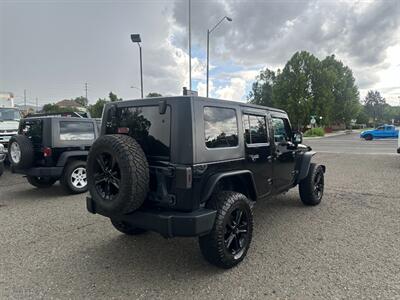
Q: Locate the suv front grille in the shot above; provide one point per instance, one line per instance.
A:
(12, 131)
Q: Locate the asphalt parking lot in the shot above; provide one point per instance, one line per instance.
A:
(347, 247)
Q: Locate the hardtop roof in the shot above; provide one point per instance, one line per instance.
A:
(155, 100)
(58, 118)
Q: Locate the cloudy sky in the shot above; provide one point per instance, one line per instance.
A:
(51, 48)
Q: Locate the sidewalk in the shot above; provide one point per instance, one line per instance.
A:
(336, 133)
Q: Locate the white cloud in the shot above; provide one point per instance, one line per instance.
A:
(202, 88)
(234, 91)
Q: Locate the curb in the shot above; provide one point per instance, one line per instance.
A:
(331, 135)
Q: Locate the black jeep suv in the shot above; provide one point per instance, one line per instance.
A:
(50, 148)
(192, 166)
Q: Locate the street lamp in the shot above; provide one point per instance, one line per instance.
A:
(136, 39)
(208, 45)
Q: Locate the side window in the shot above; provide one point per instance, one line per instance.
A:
(255, 129)
(282, 130)
(76, 131)
(220, 127)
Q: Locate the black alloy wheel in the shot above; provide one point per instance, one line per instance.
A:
(311, 188)
(107, 176)
(236, 234)
(319, 185)
(230, 238)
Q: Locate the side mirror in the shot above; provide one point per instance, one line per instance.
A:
(297, 138)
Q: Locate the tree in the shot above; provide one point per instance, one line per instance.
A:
(346, 104)
(96, 109)
(262, 89)
(153, 94)
(375, 105)
(113, 97)
(391, 113)
(82, 101)
(309, 87)
(53, 108)
(294, 88)
(362, 117)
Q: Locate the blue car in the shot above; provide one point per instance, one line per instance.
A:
(381, 132)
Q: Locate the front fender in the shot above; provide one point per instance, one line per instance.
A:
(303, 165)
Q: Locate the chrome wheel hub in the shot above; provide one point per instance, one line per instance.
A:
(15, 153)
(79, 178)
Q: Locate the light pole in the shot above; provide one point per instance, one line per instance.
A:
(208, 45)
(190, 47)
(136, 39)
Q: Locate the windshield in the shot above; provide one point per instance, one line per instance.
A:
(8, 114)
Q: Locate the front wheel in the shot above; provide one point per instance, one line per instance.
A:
(229, 240)
(311, 188)
(368, 137)
(41, 182)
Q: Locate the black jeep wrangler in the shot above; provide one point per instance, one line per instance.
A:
(192, 166)
(50, 148)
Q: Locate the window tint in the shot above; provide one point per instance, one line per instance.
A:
(220, 125)
(282, 131)
(76, 131)
(255, 129)
(150, 129)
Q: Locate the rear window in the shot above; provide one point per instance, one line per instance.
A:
(151, 129)
(33, 130)
(220, 127)
(76, 131)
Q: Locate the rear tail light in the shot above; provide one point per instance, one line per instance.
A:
(183, 177)
(123, 130)
(47, 152)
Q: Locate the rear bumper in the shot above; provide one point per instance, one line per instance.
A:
(167, 223)
(41, 171)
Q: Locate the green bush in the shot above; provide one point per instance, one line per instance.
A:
(318, 131)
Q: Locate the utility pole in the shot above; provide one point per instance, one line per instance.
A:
(190, 48)
(86, 91)
(24, 99)
(37, 104)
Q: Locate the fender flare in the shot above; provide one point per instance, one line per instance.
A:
(304, 165)
(214, 179)
(68, 154)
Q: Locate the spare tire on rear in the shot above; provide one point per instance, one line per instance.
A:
(20, 152)
(118, 174)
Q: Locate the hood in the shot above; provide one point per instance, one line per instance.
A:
(9, 125)
(366, 131)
